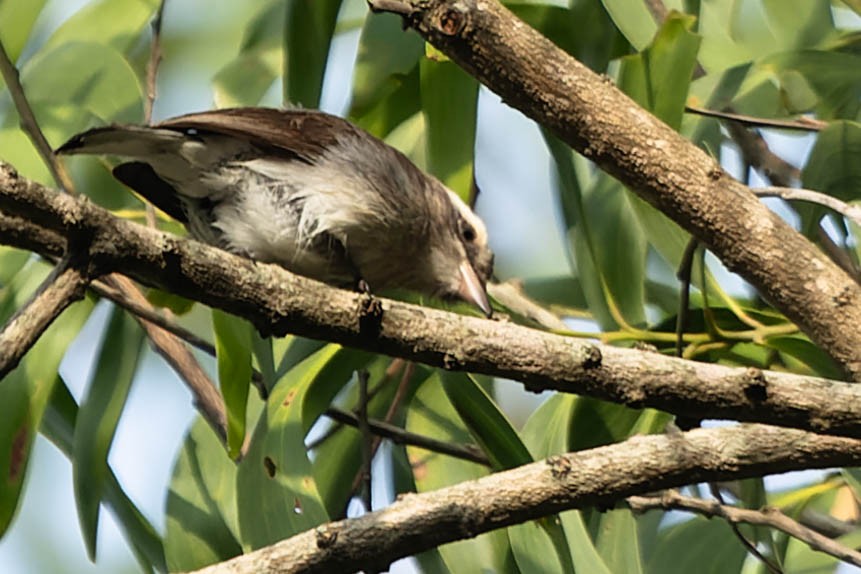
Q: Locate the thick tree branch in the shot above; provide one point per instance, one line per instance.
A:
(770, 517)
(597, 477)
(66, 284)
(279, 302)
(589, 113)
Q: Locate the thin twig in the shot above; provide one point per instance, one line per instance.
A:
(153, 63)
(757, 154)
(398, 435)
(805, 124)
(367, 438)
(29, 123)
(151, 315)
(151, 77)
(852, 212)
(751, 546)
(684, 277)
(66, 284)
(770, 517)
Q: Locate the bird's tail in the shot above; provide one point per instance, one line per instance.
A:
(127, 141)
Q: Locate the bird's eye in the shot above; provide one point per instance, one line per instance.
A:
(468, 234)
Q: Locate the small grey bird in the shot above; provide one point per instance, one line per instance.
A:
(307, 190)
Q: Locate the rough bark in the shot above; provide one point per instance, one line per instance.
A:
(594, 117)
(598, 477)
(279, 302)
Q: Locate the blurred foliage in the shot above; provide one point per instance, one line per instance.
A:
(764, 58)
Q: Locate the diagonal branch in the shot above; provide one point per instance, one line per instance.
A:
(770, 517)
(279, 302)
(66, 284)
(684, 182)
(597, 477)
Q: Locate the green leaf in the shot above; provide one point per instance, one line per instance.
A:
(583, 29)
(432, 414)
(633, 20)
(691, 546)
(201, 503)
(233, 349)
(658, 77)
(94, 76)
(546, 433)
(114, 23)
(99, 414)
(277, 494)
(833, 167)
(386, 56)
(834, 76)
(798, 23)
(485, 421)
(307, 37)
(25, 392)
(16, 23)
(606, 240)
(12, 260)
(58, 426)
(802, 355)
(618, 541)
(449, 99)
(246, 79)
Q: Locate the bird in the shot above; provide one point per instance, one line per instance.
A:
(307, 190)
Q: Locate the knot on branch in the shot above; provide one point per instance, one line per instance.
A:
(451, 20)
(755, 386)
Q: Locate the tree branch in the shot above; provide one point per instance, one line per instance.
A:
(657, 163)
(66, 284)
(596, 477)
(279, 302)
(770, 517)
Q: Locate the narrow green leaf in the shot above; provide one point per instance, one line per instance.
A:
(12, 260)
(277, 494)
(98, 416)
(201, 503)
(833, 167)
(485, 421)
(233, 349)
(246, 79)
(548, 432)
(618, 542)
(58, 426)
(607, 241)
(798, 23)
(449, 99)
(658, 77)
(115, 23)
(807, 356)
(25, 392)
(633, 19)
(432, 414)
(96, 77)
(307, 36)
(387, 54)
(16, 23)
(693, 545)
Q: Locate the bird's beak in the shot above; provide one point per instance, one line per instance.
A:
(471, 289)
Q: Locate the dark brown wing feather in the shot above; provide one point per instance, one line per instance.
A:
(142, 178)
(302, 133)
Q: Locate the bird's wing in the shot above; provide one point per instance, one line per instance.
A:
(304, 134)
